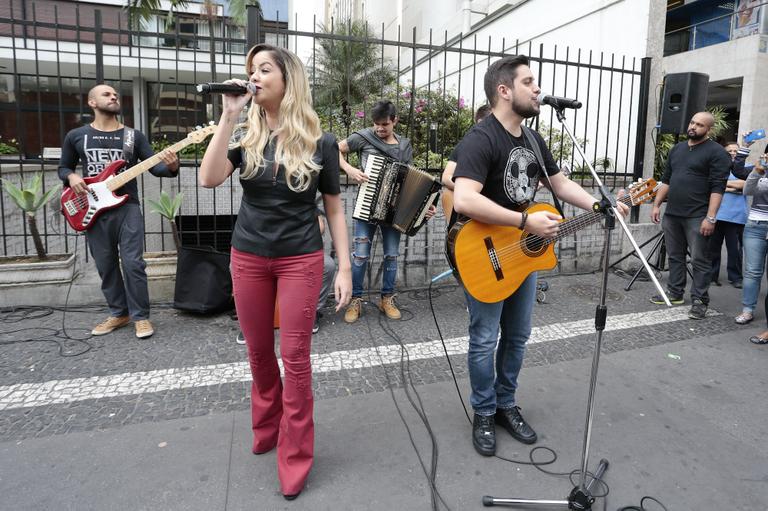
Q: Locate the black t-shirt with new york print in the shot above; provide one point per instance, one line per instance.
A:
(95, 150)
(504, 164)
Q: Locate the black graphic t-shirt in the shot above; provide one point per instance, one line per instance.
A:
(96, 150)
(504, 164)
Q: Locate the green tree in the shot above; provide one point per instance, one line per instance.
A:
(29, 200)
(348, 72)
(142, 10)
(238, 10)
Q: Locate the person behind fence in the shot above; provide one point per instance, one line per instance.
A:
(116, 238)
(496, 176)
(731, 217)
(693, 182)
(284, 159)
(382, 140)
(755, 245)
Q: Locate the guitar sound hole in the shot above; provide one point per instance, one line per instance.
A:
(533, 245)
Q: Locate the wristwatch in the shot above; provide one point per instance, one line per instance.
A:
(711, 220)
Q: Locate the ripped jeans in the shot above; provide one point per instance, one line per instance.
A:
(364, 232)
(281, 411)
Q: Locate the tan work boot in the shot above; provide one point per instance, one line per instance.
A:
(144, 329)
(353, 310)
(110, 324)
(388, 307)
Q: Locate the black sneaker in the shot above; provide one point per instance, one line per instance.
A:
(484, 435)
(316, 324)
(698, 309)
(511, 420)
(240, 339)
(674, 300)
(737, 284)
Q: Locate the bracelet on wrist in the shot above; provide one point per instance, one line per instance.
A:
(523, 220)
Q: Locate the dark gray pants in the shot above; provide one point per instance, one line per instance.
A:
(681, 235)
(329, 270)
(118, 236)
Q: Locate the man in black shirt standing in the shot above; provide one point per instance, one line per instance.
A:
(117, 236)
(496, 176)
(693, 182)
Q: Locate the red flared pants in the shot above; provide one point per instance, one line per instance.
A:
(281, 410)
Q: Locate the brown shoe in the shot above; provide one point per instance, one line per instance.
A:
(388, 307)
(353, 310)
(144, 329)
(110, 324)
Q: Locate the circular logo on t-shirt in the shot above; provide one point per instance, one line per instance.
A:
(521, 175)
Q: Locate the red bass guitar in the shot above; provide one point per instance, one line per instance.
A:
(81, 211)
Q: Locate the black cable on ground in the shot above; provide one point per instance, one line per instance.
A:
(52, 335)
(431, 474)
(532, 462)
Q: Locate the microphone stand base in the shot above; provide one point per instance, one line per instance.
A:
(580, 499)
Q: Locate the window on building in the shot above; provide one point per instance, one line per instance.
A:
(38, 111)
(174, 110)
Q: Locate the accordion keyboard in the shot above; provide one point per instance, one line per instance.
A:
(366, 195)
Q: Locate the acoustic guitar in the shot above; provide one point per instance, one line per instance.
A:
(492, 261)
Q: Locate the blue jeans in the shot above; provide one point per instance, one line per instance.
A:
(364, 232)
(494, 386)
(755, 249)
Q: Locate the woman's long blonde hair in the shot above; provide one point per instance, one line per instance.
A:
(298, 130)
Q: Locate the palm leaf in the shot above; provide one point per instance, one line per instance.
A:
(47, 196)
(142, 10)
(15, 193)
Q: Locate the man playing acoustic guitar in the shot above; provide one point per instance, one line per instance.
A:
(117, 236)
(496, 176)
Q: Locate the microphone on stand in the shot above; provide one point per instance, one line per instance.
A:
(558, 103)
(226, 88)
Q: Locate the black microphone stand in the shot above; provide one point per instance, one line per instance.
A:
(581, 497)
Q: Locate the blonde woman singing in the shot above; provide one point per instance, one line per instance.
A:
(277, 250)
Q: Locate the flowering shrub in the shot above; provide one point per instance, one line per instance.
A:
(191, 151)
(434, 120)
(9, 146)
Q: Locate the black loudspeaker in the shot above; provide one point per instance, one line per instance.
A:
(684, 95)
(203, 281)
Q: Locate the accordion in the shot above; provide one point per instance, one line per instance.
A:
(395, 194)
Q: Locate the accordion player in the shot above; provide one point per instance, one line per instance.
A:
(395, 194)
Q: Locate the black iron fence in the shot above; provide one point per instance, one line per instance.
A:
(53, 52)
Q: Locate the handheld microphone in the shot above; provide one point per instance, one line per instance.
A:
(226, 88)
(558, 103)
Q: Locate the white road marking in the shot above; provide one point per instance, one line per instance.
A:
(25, 395)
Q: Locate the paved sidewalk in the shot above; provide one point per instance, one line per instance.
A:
(679, 412)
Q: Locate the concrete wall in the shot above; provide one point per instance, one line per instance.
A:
(745, 57)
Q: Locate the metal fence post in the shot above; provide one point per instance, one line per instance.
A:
(640, 128)
(253, 30)
(99, 42)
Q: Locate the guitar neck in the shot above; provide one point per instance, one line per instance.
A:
(577, 223)
(124, 177)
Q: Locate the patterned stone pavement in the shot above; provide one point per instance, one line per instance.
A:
(192, 366)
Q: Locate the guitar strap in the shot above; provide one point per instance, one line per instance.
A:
(129, 138)
(540, 158)
(384, 148)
